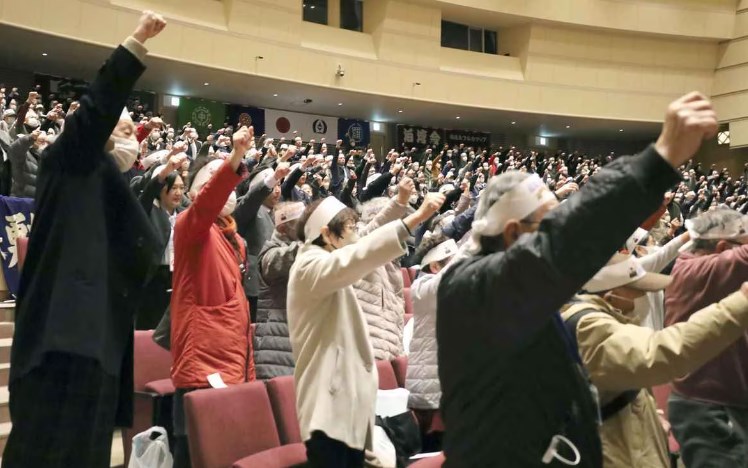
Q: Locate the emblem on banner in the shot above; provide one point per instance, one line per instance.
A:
(245, 119)
(355, 132)
(201, 116)
(319, 126)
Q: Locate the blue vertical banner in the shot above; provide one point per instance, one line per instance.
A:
(354, 132)
(245, 115)
(16, 216)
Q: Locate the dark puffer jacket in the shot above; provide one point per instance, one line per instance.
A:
(24, 166)
(273, 355)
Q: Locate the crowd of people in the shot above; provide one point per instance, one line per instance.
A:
(554, 289)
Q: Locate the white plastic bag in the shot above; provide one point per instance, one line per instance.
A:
(150, 452)
(383, 448)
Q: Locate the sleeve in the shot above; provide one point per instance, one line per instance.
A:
(276, 262)
(391, 212)
(461, 224)
(141, 133)
(89, 127)
(376, 188)
(248, 206)
(462, 204)
(656, 262)
(326, 273)
(18, 128)
(425, 286)
(620, 357)
(19, 148)
(289, 183)
(195, 222)
(451, 197)
(150, 193)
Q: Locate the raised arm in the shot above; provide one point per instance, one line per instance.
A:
(396, 208)
(89, 127)
(657, 261)
(622, 357)
(248, 205)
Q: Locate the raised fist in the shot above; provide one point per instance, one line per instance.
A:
(404, 189)
(33, 96)
(281, 171)
(688, 121)
(242, 139)
(151, 24)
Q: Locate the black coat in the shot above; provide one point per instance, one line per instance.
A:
(91, 245)
(510, 377)
(158, 216)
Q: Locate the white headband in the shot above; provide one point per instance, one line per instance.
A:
(203, 175)
(125, 115)
(636, 238)
(615, 275)
(734, 229)
(442, 251)
(288, 212)
(518, 203)
(322, 215)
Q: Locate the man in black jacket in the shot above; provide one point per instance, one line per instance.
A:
(514, 393)
(90, 249)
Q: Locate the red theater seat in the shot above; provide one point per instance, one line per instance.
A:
(282, 392)
(406, 277)
(431, 462)
(152, 364)
(228, 425)
(408, 301)
(387, 378)
(400, 366)
(22, 244)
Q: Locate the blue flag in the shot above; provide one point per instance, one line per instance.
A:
(17, 217)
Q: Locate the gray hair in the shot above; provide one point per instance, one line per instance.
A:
(373, 207)
(712, 221)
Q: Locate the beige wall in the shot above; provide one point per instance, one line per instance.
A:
(555, 68)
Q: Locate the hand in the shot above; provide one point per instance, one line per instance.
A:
(465, 185)
(178, 147)
(339, 143)
(33, 97)
(567, 190)
(35, 134)
(404, 189)
(155, 122)
(321, 140)
(688, 121)
(311, 142)
(242, 140)
(430, 205)
(281, 171)
(290, 151)
(396, 168)
(151, 24)
(175, 162)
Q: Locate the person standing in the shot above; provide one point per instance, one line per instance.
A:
(90, 249)
(210, 325)
(336, 377)
(513, 391)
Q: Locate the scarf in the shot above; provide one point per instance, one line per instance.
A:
(227, 224)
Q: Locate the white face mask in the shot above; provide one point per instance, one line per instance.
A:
(228, 208)
(413, 199)
(125, 152)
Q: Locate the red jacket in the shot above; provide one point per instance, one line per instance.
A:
(210, 327)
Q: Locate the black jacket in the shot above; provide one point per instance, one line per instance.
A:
(510, 378)
(158, 216)
(91, 245)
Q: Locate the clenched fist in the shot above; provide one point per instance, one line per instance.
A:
(151, 24)
(404, 189)
(242, 140)
(688, 121)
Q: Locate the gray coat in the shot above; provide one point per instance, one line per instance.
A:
(24, 166)
(272, 346)
(255, 224)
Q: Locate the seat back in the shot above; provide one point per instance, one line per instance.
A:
(661, 395)
(408, 301)
(151, 361)
(400, 366)
(282, 392)
(406, 277)
(225, 425)
(387, 378)
(22, 244)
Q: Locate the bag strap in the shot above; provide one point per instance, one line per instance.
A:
(621, 401)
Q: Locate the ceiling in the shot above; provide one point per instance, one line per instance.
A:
(22, 49)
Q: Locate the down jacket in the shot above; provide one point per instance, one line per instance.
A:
(422, 380)
(273, 355)
(380, 294)
(24, 166)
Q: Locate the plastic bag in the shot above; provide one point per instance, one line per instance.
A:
(150, 449)
(383, 448)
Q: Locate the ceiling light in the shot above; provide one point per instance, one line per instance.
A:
(399, 111)
(458, 117)
(620, 130)
(44, 54)
(568, 126)
(514, 123)
(275, 95)
(340, 103)
(312, 7)
(206, 84)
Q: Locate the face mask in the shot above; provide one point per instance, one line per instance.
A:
(641, 309)
(125, 152)
(228, 208)
(413, 199)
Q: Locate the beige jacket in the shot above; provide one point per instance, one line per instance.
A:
(336, 378)
(380, 294)
(621, 355)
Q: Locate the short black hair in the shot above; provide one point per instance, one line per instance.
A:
(336, 224)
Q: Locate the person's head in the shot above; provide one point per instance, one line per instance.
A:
(41, 142)
(718, 230)
(274, 196)
(329, 224)
(172, 192)
(372, 208)
(122, 143)
(307, 189)
(512, 204)
(435, 252)
(201, 177)
(623, 283)
(287, 216)
(9, 116)
(32, 121)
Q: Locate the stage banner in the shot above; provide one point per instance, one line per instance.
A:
(470, 139)
(280, 123)
(410, 136)
(244, 115)
(200, 113)
(353, 132)
(17, 217)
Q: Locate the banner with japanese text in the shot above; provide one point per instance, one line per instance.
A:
(202, 114)
(353, 132)
(17, 217)
(410, 136)
(470, 139)
(245, 116)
